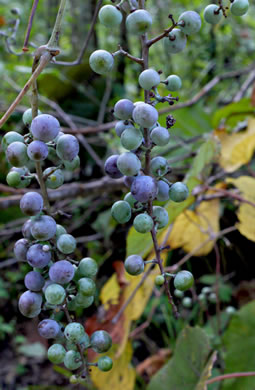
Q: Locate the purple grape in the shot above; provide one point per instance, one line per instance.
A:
(123, 109)
(144, 188)
(48, 329)
(61, 272)
(111, 168)
(163, 191)
(67, 147)
(26, 230)
(34, 281)
(37, 257)
(37, 151)
(45, 127)
(30, 304)
(43, 228)
(128, 180)
(20, 249)
(31, 203)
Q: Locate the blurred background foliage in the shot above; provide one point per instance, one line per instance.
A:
(211, 148)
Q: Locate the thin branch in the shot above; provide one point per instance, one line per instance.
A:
(30, 23)
(54, 39)
(229, 376)
(87, 39)
(248, 82)
(128, 55)
(161, 36)
(207, 88)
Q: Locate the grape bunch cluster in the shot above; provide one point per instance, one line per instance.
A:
(54, 282)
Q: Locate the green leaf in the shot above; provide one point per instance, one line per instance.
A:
(207, 372)
(189, 368)
(233, 113)
(239, 342)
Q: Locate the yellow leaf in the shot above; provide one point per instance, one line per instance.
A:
(191, 229)
(246, 212)
(237, 148)
(121, 376)
(110, 292)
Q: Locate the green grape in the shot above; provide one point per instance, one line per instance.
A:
(161, 216)
(55, 294)
(212, 14)
(159, 166)
(88, 267)
(134, 265)
(72, 165)
(131, 138)
(239, 7)
(148, 79)
(84, 341)
(175, 41)
(129, 164)
(9, 138)
(159, 280)
(23, 172)
(104, 363)
(74, 332)
(121, 211)
(66, 243)
(55, 180)
(27, 116)
(178, 293)
(132, 201)
(72, 360)
(110, 16)
(139, 22)
(56, 353)
(60, 230)
(83, 301)
(13, 179)
(189, 22)
(187, 302)
(202, 298)
(101, 341)
(160, 136)
(86, 286)
(101, 62)
(183, 280)
(173, 82)
(143, 223)
(178, 192)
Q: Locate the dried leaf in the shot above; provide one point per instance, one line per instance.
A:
(192, 228)
(246, 212)
(236, 149)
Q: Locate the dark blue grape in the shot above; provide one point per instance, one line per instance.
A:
(37, 257)
(37, 151)
(144, 188)
(31, 203)
(163, 191)
(34, 281)
(48, 329)
(20, 249)
(45, 127)
(30, 304)
(111, 168)
(61, 272)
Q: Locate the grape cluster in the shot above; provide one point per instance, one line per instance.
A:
(54, 282)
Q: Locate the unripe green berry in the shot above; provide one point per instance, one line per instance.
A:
(239, 7)
(86, 286)
(13, 179)
(178, 293)
(178, 192)
(110, 16)
(143, 223)
(134, 265)
(56, 353)
(187, 302)
(159, 280)
(183, 280)
(121, 211)
(212, 14)
(101, 62)
(173, 83)
(104, 363)
(101, 341)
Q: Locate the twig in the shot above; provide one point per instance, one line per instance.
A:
(177, 265)
(29, 26)
(208, 87)
(248, 82)
(132, 295)
(161, 36)
(217, 286)
(128, 55)
(229, 376)
(105, 99)
(86, 42)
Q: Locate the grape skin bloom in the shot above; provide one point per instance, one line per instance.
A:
(45, 127)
